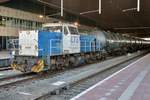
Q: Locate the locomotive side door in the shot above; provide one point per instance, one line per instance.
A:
(66, 39)
(71, 40)
(75, 40)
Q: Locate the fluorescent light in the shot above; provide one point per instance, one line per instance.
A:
(87, 12)
(130, 9)
(3, 19)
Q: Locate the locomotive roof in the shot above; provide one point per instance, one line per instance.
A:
(58, 24)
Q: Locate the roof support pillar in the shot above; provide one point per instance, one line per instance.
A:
(100, 6)
(138, 5)
(62, 8)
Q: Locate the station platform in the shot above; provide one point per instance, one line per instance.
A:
(130, 83)
(4, 58)
(5, 55)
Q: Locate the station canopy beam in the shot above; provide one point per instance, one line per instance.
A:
(94, 11)
(131, 9)
(61, 7)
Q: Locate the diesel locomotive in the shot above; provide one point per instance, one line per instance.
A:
(60, 45)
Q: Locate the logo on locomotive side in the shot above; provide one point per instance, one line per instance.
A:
(74, 39)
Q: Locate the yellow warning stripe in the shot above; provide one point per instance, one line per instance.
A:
(38, 67)
(13, 66)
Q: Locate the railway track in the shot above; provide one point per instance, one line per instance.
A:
(78, 87)
(5, 68)
(16, 79)
(27, 81)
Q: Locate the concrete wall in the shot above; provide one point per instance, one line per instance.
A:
(14, 13)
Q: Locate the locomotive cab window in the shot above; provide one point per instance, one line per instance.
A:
(65, 31)
(73, 30)
(53, 29)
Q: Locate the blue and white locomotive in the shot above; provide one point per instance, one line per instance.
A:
(59, 45)
(56, 46)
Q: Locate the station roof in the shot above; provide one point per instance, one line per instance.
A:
(117, 15)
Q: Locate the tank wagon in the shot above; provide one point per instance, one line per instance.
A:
(59, 45)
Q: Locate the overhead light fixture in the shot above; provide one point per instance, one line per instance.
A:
(87, 12)
(130, 9)
(3, 19)
(76, 23)
(146, 39)
(41, 16)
